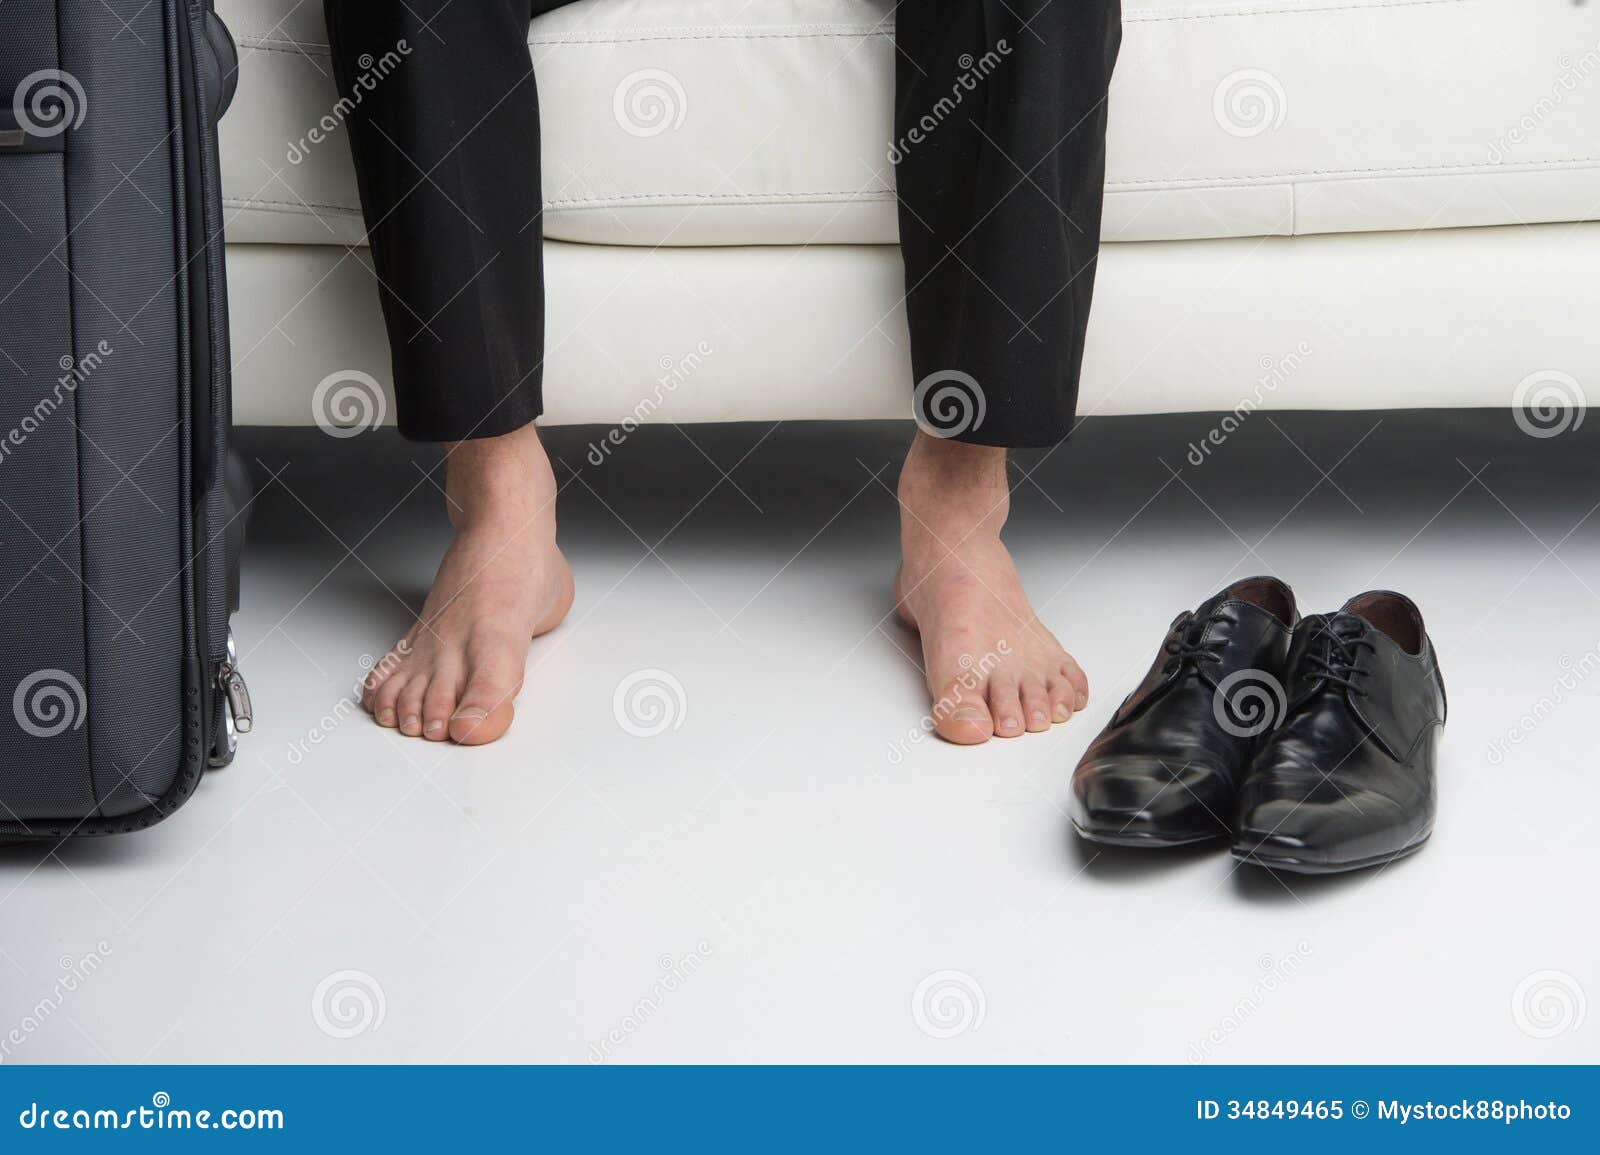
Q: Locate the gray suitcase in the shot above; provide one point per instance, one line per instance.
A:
(118, 525)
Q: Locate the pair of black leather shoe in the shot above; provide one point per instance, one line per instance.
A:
(1311, 743)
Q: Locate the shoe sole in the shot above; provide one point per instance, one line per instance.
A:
(1304, 866)
(1144, 839)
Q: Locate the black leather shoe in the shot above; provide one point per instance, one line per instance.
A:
(1165, 770)
(1348, 780)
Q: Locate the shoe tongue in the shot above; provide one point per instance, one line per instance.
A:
(1346, 625)
(1223, 624)
(1208, 622)
(1265, 594)
(1211, 604)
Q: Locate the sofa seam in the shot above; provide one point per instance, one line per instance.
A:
(290, 47)
(1267, 178)
(1158, 15)
(712, 33)
(1398, 172)
(267, 43)
(607, 202)
(886, 193)
(728, 199)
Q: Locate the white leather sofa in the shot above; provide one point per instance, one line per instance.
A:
(1314, 203)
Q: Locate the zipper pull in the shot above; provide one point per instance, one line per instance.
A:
(233, 687)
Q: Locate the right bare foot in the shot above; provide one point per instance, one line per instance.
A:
(992, 667)
(502, 583)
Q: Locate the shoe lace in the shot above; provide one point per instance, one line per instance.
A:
(1337, 664)
(1180, 651)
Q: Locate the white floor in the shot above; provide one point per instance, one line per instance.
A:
(786, 873)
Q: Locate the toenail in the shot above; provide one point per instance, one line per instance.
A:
(411, 720)
(968, 714)
(386, 717)
(1083, 700)
(1038, 717)
(1061, 712)
(435, 726)
(1011, 724)
(469, 716)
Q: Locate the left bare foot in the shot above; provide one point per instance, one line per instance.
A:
(503, 582)
(992, 667)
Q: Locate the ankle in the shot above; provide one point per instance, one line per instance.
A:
(504, 479)
(949, 485)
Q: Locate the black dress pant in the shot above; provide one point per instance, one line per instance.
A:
(999, 150)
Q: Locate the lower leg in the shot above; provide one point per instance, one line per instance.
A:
(992, 668)
(1000, 163)
(444, 130)
(446, 144)
(502, 583)
(1000, 127)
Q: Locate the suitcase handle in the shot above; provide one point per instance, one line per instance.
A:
(220, 66)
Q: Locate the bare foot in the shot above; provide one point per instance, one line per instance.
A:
(502, 583)
(992, 667)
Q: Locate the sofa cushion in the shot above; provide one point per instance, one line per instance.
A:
(721, 122)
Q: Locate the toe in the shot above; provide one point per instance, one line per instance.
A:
(408, 707)
(439, 703)
(1035, 704)
(385, 697)
(1063, 697)
(1005, 706)
(478, 725)
(1080, 681)
(375, 679)
(485, 710)
(962, 716)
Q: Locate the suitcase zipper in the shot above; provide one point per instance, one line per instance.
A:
(241, 716)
